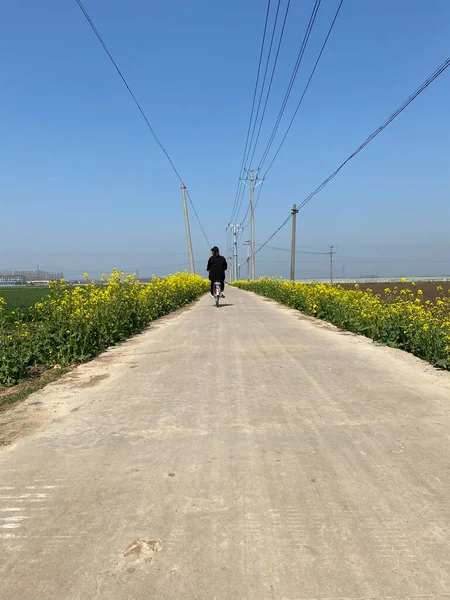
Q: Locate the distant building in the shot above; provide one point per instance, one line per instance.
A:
(8, 279)
(29, 277)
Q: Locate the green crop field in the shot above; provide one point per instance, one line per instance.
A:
(22, 297)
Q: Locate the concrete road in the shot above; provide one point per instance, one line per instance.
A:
(246, 453)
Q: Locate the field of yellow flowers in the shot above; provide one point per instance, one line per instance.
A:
(399, 318)
(75, 324)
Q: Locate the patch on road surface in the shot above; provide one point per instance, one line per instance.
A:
(93, 380)
(141, 551)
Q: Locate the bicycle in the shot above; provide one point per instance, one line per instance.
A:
(217, 292)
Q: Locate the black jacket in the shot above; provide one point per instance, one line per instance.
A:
(217, 265)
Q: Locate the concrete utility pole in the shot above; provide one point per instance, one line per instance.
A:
(252, 219)
(252, 178)
(332, 251)
(235, 229)
(188, 229)
(248, 244)
(294, 231)
(230, 264)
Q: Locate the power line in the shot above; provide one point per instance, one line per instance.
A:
(344, 261)
(259, 194)
(305, 90)
(275, 233)
(240, 200)
(267, 61)
(373, 135)
(100, 39)
(289, 90)
(389, 120)
(298, 105)
(265, 76)
(298, 62)
(197, 217)
(244, 222)
(248, 207)
(274, 66)
(297, 251)
(152, 131)
(253, 108)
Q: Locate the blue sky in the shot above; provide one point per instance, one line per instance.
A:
(83, 186)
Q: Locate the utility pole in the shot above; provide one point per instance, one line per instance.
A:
(332, 251)
(188, 229)
(252, 178)
(248, 244)
(239, 273)
(252, 219)
(230, 264)
(294, 231)
(235, 229)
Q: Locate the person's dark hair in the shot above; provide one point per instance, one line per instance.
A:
(215, 250)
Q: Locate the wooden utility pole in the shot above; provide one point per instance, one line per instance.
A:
(188, 229)
(294, 231)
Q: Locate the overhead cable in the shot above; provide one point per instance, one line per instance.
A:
(152, 131)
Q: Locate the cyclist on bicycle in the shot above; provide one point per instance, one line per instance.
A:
(217, 265)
